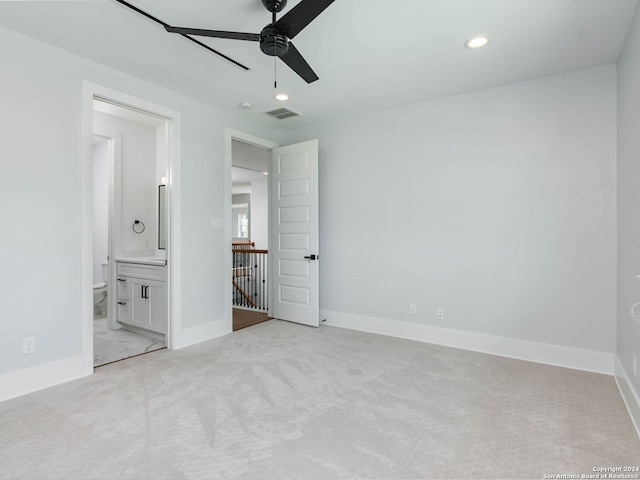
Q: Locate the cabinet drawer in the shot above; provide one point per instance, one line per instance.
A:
(122, 288)
(149, 272)
(123, 311)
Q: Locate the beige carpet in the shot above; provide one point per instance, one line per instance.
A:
(282, 401)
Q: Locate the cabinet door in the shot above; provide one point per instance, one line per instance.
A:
(157, 292)
(139, 304)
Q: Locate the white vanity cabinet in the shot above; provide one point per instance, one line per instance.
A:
(142, 295)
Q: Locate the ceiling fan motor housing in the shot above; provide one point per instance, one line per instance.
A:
(272, 42)
(274, 6)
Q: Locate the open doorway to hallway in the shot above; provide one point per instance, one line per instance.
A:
(250, 233)
(293, 230)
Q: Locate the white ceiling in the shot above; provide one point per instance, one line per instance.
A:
(369, 54)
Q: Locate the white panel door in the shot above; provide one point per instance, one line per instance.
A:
(293, 245)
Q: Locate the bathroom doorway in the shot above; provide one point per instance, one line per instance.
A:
(130, 294)
(142, 277)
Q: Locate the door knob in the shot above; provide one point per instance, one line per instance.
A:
(312, 257)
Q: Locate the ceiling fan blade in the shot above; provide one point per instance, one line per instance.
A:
(252, 37)
(157, 20)
(300, 16)
(298, 64)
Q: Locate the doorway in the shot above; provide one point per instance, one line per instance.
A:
(129, 171)
(293, 273)
(143, 276)
(252, 154)
(250, 233)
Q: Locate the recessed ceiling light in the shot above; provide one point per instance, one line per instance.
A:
(477, 42)
(283, 97)
(265, 173)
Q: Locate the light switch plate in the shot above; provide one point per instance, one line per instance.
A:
(217, 224)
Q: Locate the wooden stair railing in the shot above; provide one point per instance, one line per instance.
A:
(242, 244)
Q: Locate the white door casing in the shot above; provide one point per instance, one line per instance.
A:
(293, 232)
(91, 91)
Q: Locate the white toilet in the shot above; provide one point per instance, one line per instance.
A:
(100, 292)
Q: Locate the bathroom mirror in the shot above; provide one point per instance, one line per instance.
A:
(162, 217)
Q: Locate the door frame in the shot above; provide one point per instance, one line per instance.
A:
(174, 201)
(114, 218)
(114, 146)
(229, 136)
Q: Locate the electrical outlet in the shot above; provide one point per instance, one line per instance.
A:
(635, 364)
(145, 244)
(412, 309)
(440, 314)
(28, 345)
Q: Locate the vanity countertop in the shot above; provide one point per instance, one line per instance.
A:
(143, 260)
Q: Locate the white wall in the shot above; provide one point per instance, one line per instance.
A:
(40, 210)
(139, 194)
(100, 208)
(497, 205)
(629, 201)
(260, 214)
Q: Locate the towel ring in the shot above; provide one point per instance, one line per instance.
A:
(138, 230)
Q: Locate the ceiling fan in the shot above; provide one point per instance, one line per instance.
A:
(275, 38)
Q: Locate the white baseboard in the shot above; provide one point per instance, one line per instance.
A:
(202, 333)
(569, 357)
(629, 395)
(27, 380)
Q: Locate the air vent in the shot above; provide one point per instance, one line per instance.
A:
(282, 113)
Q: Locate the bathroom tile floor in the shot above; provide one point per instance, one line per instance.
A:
(113, 345)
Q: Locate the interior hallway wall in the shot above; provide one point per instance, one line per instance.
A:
(496, 205)
(257, 159)
(260, 214)
(239, 199)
